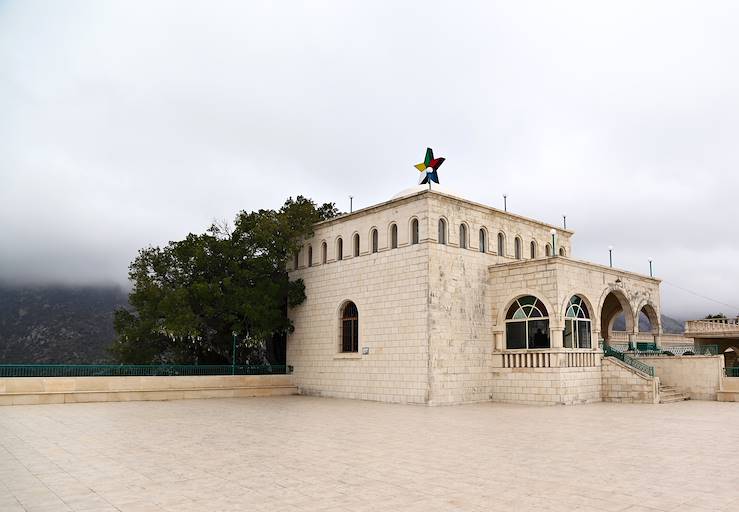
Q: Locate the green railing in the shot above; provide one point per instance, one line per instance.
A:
(136, 370)
(609, 351)
(690, 350)
(732, 371)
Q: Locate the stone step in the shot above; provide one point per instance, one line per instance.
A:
(669, 400)
(670, 394)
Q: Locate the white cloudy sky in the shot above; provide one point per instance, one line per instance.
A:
(130, 123)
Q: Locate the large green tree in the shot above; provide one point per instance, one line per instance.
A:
(191, 295)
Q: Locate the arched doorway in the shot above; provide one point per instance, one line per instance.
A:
(614, 304)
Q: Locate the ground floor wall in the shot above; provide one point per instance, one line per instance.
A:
(546, 386)
(621, 383)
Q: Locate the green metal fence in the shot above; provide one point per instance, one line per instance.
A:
(136, 370)
(609, 351)
(732, 371)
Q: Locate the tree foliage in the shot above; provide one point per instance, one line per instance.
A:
(191, 295)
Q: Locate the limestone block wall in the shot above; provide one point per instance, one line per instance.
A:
(621, 383)
(547, 386)
(389, 289)
(699, 377)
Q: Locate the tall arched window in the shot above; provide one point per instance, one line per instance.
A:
(349, 328)
(517, 248)
(527, 324)
(394, 236)
(310, 256)
(483, 241)
(356, 244)
(296, 260)
(501, 244)
(324, 253)
(562, 251)
(577, 324)
(414, 231)
(549, 250)
(339, 249)
(375, 240)
(442, 231)
(462, 236)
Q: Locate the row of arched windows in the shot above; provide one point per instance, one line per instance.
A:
(441, 238)
(527, 324)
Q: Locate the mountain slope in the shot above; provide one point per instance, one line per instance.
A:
(57, 324)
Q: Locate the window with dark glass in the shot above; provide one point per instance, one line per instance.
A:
(324, 253)
(350, 328)
(463, 236)
(339, 249)
(394, 236)
(375, 240)
(356, 244)
(296, 260)
(501, 244)
(310, 256)
(549, 250)
(517, 248)
(442, 231)
(577, 324)
(533, 250)
(562, 251)
(527, 324)
(414, 231)
(483, 241)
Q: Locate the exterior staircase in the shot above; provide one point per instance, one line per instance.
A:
(669, 394)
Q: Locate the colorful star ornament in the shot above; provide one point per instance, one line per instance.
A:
(428, 168)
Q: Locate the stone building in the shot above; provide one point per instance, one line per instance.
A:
(430, 298)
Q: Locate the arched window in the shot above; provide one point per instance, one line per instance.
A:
(562, 251)
(462, 236)
(533, 250)
(324, 253)
(310, 256)
(527, 324)
(339, 249)
(394, 236)
(501, 244)
(356, 244)
(296, 260)
(549, 250)
(349, 328)
(577, 324)
(375, 241)
(414, 231)
(517, 248)
(442, 231)
(483, 241)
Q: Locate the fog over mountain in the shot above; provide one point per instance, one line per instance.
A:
(132, 123)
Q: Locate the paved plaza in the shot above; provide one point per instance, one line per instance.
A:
(303, 453)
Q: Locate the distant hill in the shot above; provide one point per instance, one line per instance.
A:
(57, 324)
(669, 325)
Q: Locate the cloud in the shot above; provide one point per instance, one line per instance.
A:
(129, 124)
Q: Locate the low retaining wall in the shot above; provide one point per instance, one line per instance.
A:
(622, 383)
(57, 390)
(729, 391)
(699, 377)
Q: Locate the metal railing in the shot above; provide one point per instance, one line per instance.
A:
(137, 370)
(732, 371)
(609, 351)
(690, 350)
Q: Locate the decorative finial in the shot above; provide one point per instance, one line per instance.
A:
(428, 168)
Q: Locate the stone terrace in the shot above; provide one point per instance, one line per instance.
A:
(303, 453)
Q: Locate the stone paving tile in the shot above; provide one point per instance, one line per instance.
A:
(324, 455)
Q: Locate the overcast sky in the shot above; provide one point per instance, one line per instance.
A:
(129, 123)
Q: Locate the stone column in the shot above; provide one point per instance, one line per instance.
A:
(658, 340)
(632, 340)
(556, 337)
(498, 341)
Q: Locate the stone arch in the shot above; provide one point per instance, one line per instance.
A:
(612, 302)
(652, 313)
(510, 299)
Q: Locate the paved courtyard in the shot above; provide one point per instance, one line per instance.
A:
(302, 453)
